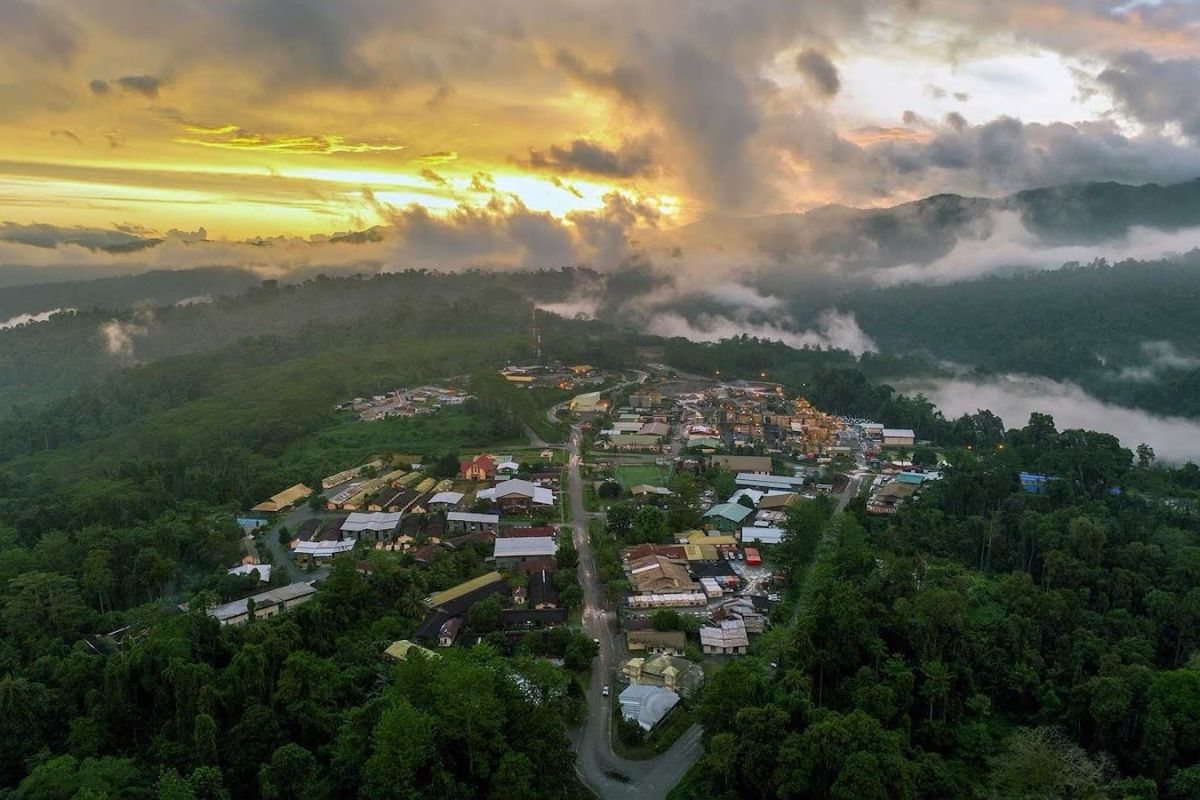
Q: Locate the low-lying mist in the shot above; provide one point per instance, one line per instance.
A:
(1014, 397)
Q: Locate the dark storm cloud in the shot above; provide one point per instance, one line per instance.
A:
(634, 158)
(45, 235)
(37, 33)
(147, 85)
(819, 71)
(621, 80)
(1155, 91)
(999, 156)
(305, 42)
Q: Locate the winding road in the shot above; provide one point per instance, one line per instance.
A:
(609, 776)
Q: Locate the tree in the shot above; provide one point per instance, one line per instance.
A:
(619, 519)
(484, 616)
(650, 526)
(580, 652)
(43, 606)
(515, 778)
(609, 490)
(204, 741)
(666, 619)
(1043, 763)
(1145, 455)
(401, 746)
(293, 772)
(97, 576)
(445, 466)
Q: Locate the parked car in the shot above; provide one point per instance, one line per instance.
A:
(604, 690)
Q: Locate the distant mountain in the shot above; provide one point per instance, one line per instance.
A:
(161, 287)
(925, 230)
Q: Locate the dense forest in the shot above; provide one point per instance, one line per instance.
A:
(118, 502)
(982, 642)
(101, 338)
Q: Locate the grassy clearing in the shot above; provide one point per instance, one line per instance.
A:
(629, 475)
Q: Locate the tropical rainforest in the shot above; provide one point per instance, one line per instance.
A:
(983, 642)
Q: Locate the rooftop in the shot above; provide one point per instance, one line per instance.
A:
(466, 587)
(525, 546)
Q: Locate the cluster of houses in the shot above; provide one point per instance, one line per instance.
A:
(406, 511)
(263, 605)
(556, 376)
(891, 489)
(748, 415)
(640, 429)
(529, 603)
(401, 402)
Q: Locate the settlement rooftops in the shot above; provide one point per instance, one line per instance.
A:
(466, 587)
(525, 547)
(285, 499)
(734, 512)
(377, 521)
(238, 609)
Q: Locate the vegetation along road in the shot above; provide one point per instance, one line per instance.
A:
(603, 771)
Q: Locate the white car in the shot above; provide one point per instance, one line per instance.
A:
(604, 690)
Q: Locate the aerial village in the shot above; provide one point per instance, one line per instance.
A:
(499, 529)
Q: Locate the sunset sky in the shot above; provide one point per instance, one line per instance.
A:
(308, 117)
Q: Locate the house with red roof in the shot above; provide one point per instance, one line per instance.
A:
(479, 468)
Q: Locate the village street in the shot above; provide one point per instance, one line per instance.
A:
(603, 771)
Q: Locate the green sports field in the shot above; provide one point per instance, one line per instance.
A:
(634, 474)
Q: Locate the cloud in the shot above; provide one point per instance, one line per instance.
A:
(99, 86)
(998, 156)
(834, 330)
(1158, 92)
(119, 335)
(145, 85)
(44, 235)
(232, 138)
(819, 72)
(1014, 397)
(633, 158)
(439, 157)
(199, 299)
(28, 319)
(38, 33)
(1158, 357)
(440, 96)
(433, 177)
(1002, 244)
(740, 296)
(63, 133)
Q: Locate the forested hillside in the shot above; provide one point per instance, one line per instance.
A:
(983, 642)
(118, 502)
(100, 339)
(159, 287)
(1103, 325)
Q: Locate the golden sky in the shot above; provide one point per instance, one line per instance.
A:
(302, 118)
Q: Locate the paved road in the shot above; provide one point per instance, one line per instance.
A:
(282, 556)
(611, 777)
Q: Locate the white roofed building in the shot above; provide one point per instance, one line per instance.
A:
(754, 533)
(511, 552)
(646, 705)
